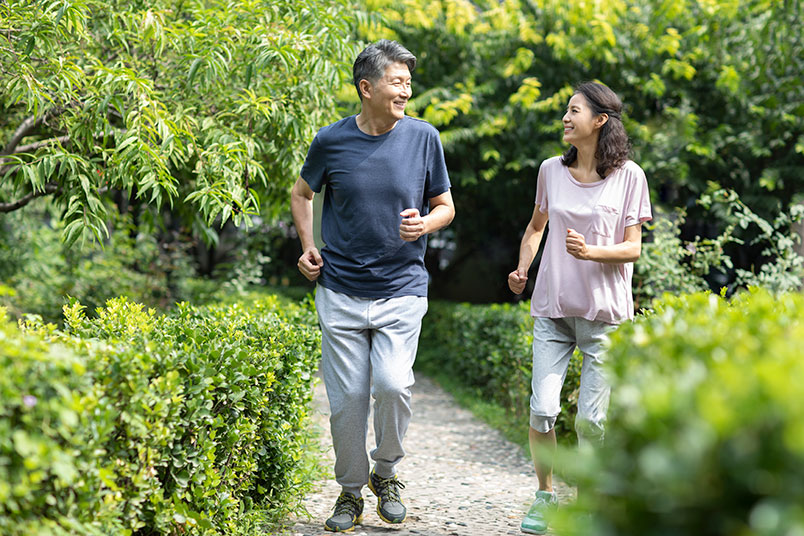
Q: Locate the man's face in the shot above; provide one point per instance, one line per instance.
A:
(390, 94)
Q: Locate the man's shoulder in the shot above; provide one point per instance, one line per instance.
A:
(335, 130)
(420, 125)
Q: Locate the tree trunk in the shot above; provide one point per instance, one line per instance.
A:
(799, 228)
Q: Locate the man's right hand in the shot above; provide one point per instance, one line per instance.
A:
(310, 264)
(517, 281)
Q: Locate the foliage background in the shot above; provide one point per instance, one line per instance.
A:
(188, 117)
(712, 89)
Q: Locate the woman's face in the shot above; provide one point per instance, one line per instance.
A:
(580, 123)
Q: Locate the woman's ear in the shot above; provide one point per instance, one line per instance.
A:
(601, 120)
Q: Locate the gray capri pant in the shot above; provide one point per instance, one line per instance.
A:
(368, 347)
(554, 341)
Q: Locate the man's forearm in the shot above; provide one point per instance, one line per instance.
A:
(438, 218)
(302, 210)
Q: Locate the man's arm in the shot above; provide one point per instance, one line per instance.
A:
(442, 211)
(301, 206)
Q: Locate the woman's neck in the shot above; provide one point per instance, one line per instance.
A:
(585, 166)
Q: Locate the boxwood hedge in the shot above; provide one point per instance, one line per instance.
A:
(488, 348)
(133, 423)
(706, 426)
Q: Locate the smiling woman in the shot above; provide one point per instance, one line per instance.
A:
(596, 200)
(594, 120)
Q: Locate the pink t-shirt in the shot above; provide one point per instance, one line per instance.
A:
(600, 211)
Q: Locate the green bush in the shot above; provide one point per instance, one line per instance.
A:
(187, 420)
(670, 264)
(488, 348)
(706, 426)
(49, 479)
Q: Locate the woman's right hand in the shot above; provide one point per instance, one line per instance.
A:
(517, 280)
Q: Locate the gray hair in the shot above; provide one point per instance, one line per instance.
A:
(374, 60)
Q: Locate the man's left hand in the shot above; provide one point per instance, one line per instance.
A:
(412, 226)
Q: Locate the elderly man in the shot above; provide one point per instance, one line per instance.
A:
(387, 188)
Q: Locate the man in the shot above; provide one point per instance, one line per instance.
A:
(386, 188)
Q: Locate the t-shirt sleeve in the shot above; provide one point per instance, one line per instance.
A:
(438, 178)
(541, 190)
(638, 209)
(314, 170)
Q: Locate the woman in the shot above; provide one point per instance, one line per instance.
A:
(596, 200)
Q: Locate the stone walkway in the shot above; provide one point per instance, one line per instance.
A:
(461, 477)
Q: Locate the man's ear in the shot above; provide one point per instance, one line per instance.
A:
(365, 88)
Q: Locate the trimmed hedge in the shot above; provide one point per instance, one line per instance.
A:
(706, 426)
(133, 423)
(488, 348)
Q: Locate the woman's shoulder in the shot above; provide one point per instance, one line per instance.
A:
(630, 166)
(551, 165)
(630, 170)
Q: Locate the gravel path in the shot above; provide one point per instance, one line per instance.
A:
(461, 477)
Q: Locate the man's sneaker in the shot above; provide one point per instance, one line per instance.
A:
(389, 504)
(535, 521)
(348, 513)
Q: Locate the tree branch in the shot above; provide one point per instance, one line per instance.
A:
(30, 125)
(44, 143)
(16, 205)
(27, 126)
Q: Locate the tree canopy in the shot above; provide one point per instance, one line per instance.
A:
(202, 106)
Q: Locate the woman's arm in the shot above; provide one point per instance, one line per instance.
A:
(527, 250)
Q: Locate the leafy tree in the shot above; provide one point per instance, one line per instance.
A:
(712, 88)
(199, 107)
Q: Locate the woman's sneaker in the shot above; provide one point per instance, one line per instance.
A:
(535, 521)
(348, 513)
(389, 503)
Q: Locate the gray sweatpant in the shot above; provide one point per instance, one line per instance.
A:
(367, 341)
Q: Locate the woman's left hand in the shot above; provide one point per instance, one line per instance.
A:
(576, 245)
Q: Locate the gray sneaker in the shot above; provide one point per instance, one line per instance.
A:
(348, 513)
(389, 503)
(535, 521)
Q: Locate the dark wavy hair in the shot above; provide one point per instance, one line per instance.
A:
(613, 145)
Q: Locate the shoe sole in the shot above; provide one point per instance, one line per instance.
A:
(529, 531)
(379, 513)
(358, 521)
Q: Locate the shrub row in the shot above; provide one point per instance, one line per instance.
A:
(706, 425)
(488, 348)
(137, 424)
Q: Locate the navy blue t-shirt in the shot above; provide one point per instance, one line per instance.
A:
(370, 180)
